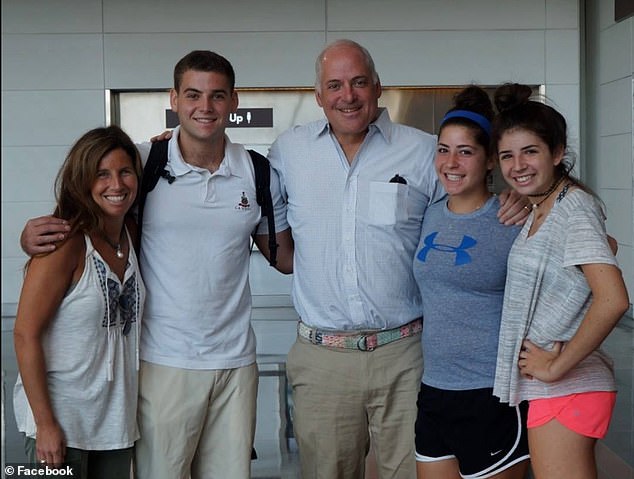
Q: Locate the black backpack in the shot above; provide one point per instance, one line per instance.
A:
(155, 169)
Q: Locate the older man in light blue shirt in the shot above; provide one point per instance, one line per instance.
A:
(357, 187)
(355, 232)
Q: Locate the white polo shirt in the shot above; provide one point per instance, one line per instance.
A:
(195, 262)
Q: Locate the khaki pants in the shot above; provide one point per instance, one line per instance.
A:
(346, 398)
(195, 422)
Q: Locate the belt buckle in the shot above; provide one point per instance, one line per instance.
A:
(316, 337)
(362, 343)
(313, 335)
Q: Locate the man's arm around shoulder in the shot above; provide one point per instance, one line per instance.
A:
(42, 234)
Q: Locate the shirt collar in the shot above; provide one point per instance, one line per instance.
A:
(383, 124)
(180, 167)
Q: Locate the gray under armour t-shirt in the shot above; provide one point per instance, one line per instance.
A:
(460, 268)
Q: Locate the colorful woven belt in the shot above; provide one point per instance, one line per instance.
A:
(362, 341)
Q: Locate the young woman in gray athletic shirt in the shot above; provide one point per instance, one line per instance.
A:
(460, 268)
(564, 293)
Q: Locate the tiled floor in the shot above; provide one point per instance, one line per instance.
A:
(277, 457)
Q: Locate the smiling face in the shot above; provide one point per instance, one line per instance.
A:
(116, 184)
(347, 92)
(203, 103)
(526, 162)
(462, 164)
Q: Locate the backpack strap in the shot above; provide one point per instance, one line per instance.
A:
(153, 170)
(264, 199)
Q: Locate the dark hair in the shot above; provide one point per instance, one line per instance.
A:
(472, 99)
(204, 61)
(517, 110)
(77, 175)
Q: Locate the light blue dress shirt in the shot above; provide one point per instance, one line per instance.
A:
(355, 232)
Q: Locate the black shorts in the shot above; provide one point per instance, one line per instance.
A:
(471, 426)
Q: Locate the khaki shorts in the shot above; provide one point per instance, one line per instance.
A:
(195, 422)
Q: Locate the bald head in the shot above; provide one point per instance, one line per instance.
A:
(344, 44)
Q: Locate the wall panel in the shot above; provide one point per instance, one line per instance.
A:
(14, 216)
(614, 118)
(616, 161)
(274, 59)
(30, 171)
(562, 14)
(38, 118)
(562, 56)
(52, 62)
(46, 16)
(161, 16)
(435, 15)
(615, 62)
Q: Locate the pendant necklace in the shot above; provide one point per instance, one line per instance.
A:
(547, 193)
(115, 246)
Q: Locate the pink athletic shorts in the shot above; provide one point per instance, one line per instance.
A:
(587, 414)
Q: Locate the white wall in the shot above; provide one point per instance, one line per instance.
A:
(59, 57)
(609, 133)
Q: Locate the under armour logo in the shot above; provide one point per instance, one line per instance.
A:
(462, 256)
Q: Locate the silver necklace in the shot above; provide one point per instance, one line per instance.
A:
(115, 246)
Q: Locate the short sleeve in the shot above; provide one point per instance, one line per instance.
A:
(586, 237)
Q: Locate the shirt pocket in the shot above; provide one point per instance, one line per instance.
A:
(388, 203)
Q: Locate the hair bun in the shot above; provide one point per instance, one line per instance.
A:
(511, 95)
(473, 98)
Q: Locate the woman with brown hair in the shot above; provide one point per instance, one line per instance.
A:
(77, 325)
(564, 293)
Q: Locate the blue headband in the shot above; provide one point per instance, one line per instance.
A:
(470, 115)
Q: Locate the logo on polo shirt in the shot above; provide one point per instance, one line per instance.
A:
(244, 203)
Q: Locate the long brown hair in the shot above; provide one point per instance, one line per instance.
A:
(78, 173)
